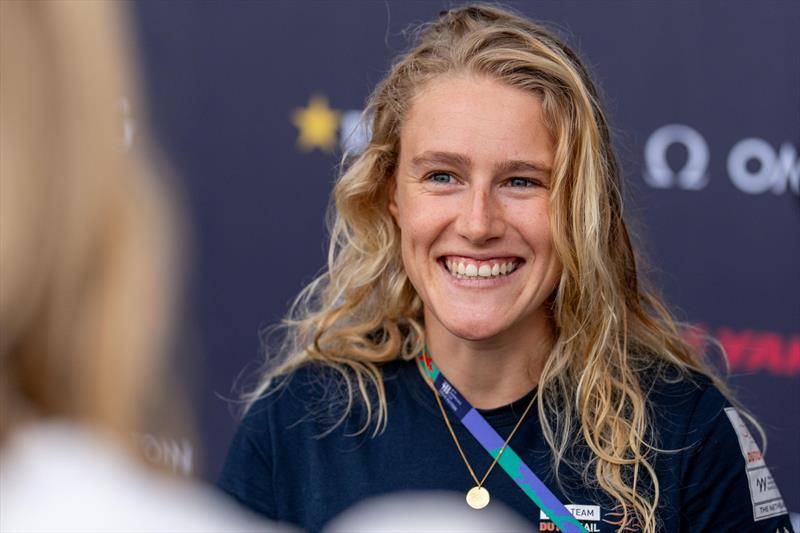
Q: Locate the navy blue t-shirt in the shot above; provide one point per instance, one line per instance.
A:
(286, 464)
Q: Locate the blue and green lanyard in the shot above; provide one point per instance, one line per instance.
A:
(513, 465)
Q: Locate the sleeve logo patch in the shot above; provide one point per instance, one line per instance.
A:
(764, 494)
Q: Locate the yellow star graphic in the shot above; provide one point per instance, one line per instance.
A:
(317, 124)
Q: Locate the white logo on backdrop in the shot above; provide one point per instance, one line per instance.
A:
(356, 131)
(775, 171)
(693, 174)
(754, 166)
(177, 456)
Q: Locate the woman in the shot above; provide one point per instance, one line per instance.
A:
(87, 260)
(479, 237)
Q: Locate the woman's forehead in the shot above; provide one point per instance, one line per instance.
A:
(478, 118)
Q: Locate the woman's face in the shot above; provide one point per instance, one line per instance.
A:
(471, 196)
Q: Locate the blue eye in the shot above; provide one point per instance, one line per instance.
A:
(522, 182)
(441, 177)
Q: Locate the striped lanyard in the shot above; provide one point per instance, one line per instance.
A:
(513, 465)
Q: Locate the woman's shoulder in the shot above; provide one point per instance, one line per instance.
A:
(685, 403)
(316, 394)
(709, 458)
(293, 394)
(671, 387)
(680, 399)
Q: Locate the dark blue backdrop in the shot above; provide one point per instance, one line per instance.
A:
(704, 98)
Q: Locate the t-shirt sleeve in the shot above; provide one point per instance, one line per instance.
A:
(247, 474)
(726, 483)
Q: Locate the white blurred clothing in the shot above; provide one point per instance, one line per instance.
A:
(58, 476)
(429, 511)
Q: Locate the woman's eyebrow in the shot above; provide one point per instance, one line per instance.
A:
(464, 161)
(510, 167)
(441, 158)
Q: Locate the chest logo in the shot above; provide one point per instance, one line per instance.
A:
(588, 515)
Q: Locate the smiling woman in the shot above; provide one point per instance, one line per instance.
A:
(480, 237)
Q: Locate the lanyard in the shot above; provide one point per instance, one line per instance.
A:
(513, 465)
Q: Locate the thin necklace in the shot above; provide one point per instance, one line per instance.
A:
(477, 497)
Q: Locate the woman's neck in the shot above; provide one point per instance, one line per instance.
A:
(491, 372)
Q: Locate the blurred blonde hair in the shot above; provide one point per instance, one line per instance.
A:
(610, 330)
(87, 249)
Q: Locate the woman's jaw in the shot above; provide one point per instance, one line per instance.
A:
(490, 371)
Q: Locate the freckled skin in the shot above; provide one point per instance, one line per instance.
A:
(476, 209)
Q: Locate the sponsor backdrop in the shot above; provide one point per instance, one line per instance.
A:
(255, 101)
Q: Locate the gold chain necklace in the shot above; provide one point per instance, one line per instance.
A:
(477, 497)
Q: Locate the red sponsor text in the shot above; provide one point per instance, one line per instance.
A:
(753, 351)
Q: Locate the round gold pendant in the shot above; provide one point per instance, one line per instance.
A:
(478, 497)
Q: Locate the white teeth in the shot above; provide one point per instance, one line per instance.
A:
(471, 270)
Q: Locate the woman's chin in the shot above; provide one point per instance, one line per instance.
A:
(474, 330)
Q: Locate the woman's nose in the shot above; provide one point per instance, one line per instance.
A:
(480, 218)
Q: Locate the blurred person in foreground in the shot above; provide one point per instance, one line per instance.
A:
(87, 275)
(482, 326)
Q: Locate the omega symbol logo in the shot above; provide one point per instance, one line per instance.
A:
(659, 174)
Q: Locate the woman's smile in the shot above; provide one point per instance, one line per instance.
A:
(473, 273)
(470, 268)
